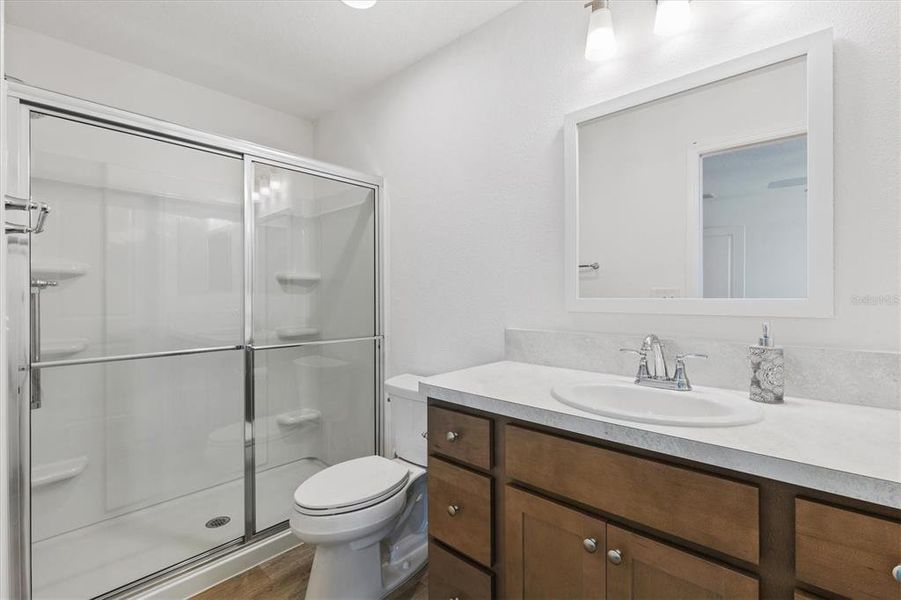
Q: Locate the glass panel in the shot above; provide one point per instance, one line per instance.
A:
(130, 460)
(315, 407)
(144, 242)
(755, 220)
(314, 258)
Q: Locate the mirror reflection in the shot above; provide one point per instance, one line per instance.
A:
(701, 194)
(754, 216)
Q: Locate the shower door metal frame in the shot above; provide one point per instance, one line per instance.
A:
(22, 101)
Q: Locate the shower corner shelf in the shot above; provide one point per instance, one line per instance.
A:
(299, 278)
(62, 470)
(295, 418)
(56, 349)
(295, 333)
(58, 270)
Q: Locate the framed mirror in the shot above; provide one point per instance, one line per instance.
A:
(708, 194)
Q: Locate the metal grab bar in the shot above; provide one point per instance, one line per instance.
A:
(593, 266)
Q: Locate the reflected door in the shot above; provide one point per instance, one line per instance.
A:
(137, 431)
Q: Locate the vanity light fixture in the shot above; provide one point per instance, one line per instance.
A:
(673, 16)
(360, 4)
(600, 43)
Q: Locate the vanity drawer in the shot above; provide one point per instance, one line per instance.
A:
(460, 509)
(846, 552)
(453, 577)
(711, 511)
(460, 436)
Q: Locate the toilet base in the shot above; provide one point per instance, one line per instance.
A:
(341, 572)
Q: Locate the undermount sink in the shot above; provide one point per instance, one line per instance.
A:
(704, 407)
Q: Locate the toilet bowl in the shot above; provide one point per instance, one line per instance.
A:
(367, 517)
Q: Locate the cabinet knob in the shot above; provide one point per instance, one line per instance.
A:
(453, 509)
(453, 436)
(896, 573)
(590, 545)
(615, 556)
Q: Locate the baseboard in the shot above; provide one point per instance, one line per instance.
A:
(205, 577)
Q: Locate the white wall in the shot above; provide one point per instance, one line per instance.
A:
(470, 143)
(49, 63)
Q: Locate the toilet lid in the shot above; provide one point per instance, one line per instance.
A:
(357, 482)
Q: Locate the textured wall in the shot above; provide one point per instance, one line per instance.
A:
(62, 67)
(470, 143)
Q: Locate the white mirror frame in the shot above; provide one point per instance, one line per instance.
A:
(817, 48)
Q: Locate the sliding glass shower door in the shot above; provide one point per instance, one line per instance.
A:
(314, 330)
(137, 438)
(202, 335)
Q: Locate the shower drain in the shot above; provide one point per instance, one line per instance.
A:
(218, 522)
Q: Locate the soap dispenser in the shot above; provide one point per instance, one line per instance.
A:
(767, 370)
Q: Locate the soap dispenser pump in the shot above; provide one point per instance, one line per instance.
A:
(767, 370)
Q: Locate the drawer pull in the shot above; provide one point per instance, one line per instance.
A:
(590, 544)
(896, 573)
(453, 509)
(615, 556)
(453, 436)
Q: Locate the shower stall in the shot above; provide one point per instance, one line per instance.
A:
(194, 330)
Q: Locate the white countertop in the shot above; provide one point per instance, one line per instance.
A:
(844, 449)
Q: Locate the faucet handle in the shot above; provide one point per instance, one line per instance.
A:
(642, 373)
(680, 377)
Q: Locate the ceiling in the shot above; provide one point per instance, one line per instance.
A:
(303, 57)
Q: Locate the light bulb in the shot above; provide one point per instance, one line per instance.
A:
(264, 190)
(673, 16)
(275, 184)
(361, 4)
(601, 40)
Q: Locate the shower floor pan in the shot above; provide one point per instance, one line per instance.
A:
(98, 558)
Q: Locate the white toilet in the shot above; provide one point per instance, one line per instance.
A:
(368, 517)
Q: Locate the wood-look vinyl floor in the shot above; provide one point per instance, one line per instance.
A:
(285, 577)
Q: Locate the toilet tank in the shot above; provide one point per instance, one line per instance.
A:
(409, 419)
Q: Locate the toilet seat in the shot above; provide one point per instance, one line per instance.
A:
(350, 486)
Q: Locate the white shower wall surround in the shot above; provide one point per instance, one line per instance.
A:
(866, 378)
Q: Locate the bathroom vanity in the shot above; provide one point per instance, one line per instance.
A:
(530, 498)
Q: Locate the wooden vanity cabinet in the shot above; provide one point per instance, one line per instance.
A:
(847, 552)
(451, 576)
(552, 551)
(646, 569)
(548, 514)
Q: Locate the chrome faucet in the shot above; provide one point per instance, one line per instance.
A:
(660, 377)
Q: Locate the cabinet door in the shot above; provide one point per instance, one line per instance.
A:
(638, 567)
(551, 551)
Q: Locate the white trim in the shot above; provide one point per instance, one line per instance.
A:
(817, 48)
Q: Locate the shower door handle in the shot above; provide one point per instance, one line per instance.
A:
(34, 350)
(16, 203)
